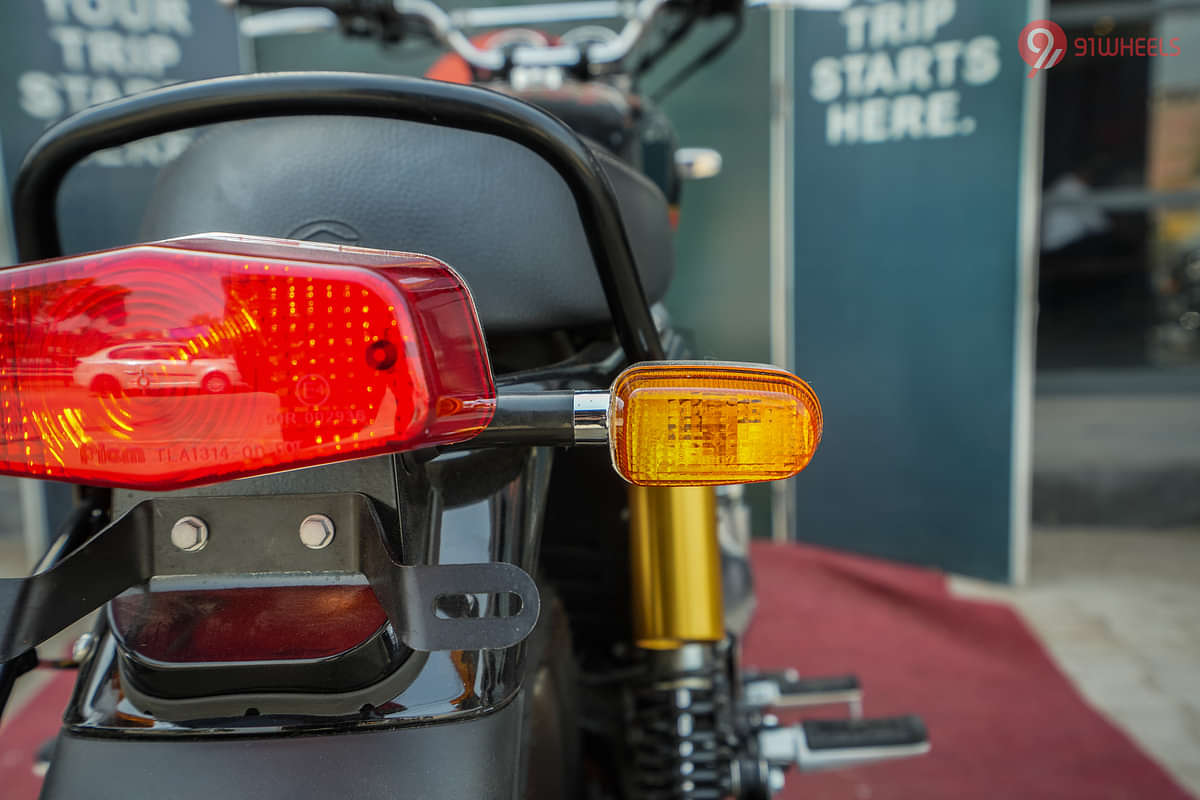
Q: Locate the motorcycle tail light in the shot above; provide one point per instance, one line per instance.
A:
(198, 360)
(696, 424)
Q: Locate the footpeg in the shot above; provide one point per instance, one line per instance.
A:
(831, 744)
(786, 689)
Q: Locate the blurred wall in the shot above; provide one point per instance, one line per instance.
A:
(721, 286)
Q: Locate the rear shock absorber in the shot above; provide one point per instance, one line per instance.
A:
(679, 734)
(682, 740)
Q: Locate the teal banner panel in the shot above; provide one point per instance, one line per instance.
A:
(909, 123)
(61, 56)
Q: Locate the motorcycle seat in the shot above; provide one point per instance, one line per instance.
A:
(490, 208)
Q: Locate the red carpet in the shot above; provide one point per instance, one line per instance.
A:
(1004, 721)
(26, 731)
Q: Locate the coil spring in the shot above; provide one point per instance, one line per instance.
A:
(680, 739)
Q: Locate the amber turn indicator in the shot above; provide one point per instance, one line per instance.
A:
(703, 423)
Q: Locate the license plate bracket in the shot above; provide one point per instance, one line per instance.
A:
(256, 537)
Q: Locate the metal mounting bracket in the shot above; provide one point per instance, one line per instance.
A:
(254, 539)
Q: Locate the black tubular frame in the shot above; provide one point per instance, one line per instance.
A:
(242, 97)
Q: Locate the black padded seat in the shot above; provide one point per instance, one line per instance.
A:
(490, 208)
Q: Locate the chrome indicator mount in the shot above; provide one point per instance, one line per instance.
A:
(591, 417)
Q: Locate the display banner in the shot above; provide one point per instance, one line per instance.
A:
(60, 56)
(914, 175)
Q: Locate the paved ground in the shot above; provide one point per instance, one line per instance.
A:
(13, 564)
(1117, 448)
(1120, 612)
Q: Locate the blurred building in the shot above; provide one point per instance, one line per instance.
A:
(1126, 130)
(1118, 336)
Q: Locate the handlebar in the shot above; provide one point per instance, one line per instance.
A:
(448, 28)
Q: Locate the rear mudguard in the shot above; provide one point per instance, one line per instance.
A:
(456, 730)
(474, 758)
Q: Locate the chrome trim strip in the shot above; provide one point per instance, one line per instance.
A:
(538, 13)
(1024, 324)
(782, 243)
(591, 417)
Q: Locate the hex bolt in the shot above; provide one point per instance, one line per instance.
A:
(189, 534)
(775, 780)
(82, 649)
(316, 531)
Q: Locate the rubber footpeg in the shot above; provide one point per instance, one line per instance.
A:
(853, 734)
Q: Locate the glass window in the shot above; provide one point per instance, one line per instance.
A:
(126, 353)
(1121, 192)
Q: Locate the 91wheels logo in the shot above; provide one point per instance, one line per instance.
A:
(1043, 44)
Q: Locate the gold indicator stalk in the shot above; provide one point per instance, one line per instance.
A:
(675, 566)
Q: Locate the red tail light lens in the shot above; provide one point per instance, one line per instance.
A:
(248, 624)
(199, 360)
